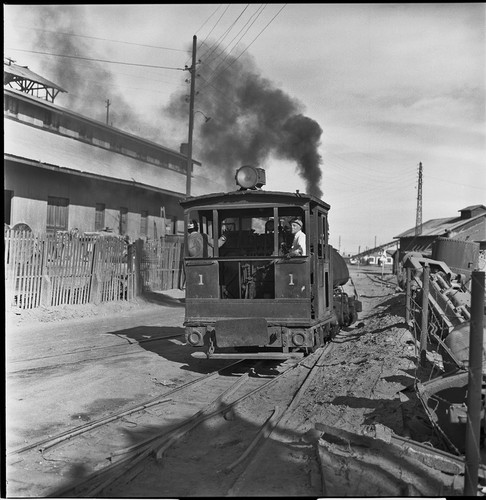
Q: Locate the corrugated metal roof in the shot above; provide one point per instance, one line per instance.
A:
(12, 71)
(438, 227)
(472, 207)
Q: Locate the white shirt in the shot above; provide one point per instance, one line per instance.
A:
(298, 243)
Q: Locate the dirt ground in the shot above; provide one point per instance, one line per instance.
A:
(56, 380)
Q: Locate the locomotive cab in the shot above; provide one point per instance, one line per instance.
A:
(246, 295)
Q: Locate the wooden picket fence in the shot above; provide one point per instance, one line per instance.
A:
(161, 264)
(55, 269)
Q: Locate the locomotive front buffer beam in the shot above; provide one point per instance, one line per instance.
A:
(253, 338)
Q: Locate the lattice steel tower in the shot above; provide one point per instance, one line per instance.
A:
(418, 220)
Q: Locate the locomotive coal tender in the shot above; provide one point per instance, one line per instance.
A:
(247, 294)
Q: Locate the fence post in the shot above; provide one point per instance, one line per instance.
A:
(408, 298)
(46, 291)
(474, 386)
(96, 285)
(138, 248)
(425, 314)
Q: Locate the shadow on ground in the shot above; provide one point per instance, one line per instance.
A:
(169, 343)
(164, 299)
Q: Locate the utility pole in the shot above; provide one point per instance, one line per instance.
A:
(474, 385)
(192, 71)
(107, 110)
(418, 220)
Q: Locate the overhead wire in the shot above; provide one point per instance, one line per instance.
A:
(101, 39)
(213, 75)
(97, 60)
(215, 24)
(255, 39)
(228, 51)
(208, 18)
(223, 36)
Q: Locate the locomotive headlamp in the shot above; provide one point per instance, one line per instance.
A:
(249, 177)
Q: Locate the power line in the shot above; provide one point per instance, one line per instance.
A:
(215, 24)
(257, 13)
(97, 60)
(254, 40)
(204, 23)
(102, 39)
(222, 37)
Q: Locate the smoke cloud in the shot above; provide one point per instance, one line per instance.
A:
(88, 83)
(251, 120)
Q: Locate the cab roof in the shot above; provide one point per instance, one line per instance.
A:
(252, 197)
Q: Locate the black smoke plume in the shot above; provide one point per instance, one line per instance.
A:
(251, 120)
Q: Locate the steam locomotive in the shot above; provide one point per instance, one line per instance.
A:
(246, 297)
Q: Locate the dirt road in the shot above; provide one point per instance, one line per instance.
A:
(65, 369)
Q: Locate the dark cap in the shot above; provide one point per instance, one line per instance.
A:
(295, 220)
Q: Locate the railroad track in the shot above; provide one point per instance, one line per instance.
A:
(232, 419)
(79, 355)
(213, 451)
(383, 281)
(100, 446)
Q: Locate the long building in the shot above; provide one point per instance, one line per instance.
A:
(65, 171)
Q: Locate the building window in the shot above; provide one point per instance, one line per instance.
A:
(7, 206)
(144, 223)
(122, 228)
(51, 119)
(11, 105)
(99, 217)
(47, 118)
(57, 213)
(86, 133)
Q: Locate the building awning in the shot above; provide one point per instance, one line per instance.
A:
(13, 72)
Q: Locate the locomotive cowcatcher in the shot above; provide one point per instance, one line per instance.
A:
(246, 297)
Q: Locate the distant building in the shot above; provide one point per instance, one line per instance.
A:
(379, 258)
(470, 226)
(63, 170)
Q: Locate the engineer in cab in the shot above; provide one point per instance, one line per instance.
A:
(299, 242)
(197, 243)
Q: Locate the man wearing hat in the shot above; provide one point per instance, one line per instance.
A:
(197, 243)
(298, 245)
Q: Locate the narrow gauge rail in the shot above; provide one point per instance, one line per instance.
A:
(148, 470)
(98, 443)
(52, 441)
(17, 364)
(382, 281)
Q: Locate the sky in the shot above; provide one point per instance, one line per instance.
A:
(342, 101)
